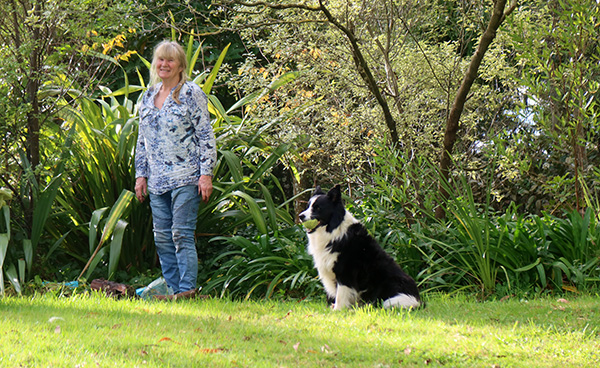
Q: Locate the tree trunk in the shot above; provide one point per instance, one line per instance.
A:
(365, 72)
(453, 122)
(359, 60)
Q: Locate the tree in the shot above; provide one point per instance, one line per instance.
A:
(498, 16)
(44, 65)
(416, 53)
(347, 28)
(557, 44)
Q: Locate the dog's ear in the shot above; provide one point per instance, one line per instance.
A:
(318, 190)
(335, 194)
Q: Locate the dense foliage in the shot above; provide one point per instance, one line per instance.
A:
(291, 108)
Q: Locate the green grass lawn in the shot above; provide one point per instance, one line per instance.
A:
(96, 331)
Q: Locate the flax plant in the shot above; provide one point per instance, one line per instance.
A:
(474, 250)
(104, 154)
(5, 195)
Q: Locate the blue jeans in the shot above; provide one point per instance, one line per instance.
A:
(174, 216)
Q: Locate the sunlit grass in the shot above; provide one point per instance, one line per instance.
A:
(91, 331)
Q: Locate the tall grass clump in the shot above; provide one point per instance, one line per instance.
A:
(24, 243)
(261, 249)
(474, 247)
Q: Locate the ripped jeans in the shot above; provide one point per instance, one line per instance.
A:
(174, 216)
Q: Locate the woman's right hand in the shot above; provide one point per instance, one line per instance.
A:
(141, 188)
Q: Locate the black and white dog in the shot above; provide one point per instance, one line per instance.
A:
(352, 266)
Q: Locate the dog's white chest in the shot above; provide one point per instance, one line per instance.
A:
(322, 257)
(324, 260)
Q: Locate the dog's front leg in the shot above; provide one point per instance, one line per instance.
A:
(344, 297)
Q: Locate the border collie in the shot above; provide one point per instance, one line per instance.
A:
(352, 266)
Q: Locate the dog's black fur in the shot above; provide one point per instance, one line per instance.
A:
(352, 266)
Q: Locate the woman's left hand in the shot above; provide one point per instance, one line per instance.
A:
(205, 187)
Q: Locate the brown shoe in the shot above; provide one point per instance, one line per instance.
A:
(186, 294)
(164, 297)
(183, 295)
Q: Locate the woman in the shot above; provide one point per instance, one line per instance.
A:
(174, 160)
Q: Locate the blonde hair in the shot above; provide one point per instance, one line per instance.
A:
(169, 50)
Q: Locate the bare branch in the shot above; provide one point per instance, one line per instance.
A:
(253, 4)
(361, 64)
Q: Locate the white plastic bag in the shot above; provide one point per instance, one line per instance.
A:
(156, 287)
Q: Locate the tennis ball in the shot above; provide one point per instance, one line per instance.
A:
(310, 224)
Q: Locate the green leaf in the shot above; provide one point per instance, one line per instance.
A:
(147, 63)
(3, 248)
(173, 23)
(235, 166)
(47, 196)
(6, 213)
(207, 87)
(245, 100)
(115, 213)
(11, 274)
(218, 108)
(22, 270)
(254, 209)
(256, 95)
(192, 58)
(94, 262)
(125, 91)
(28, 252)
(270, 207)
(115, 247)
(269, 162)
(114, 216)
(94, 223)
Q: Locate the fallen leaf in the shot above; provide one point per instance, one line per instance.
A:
(407, 351)
(54, 319)
(284, 317)
(168, 339)
(572, 289)
(296, 346)
(57, 330)
(114, 327)
(562, 300)
(505, 298)
(212, 351)
(326, 349)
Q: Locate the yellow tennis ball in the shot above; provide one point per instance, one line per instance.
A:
(310, 224)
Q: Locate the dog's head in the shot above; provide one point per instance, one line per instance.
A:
(324, 210)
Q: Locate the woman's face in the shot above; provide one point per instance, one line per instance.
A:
(168, 69)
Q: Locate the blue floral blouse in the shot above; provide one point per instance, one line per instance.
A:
(176, 144)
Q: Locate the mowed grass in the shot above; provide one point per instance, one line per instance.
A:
(90, 330)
